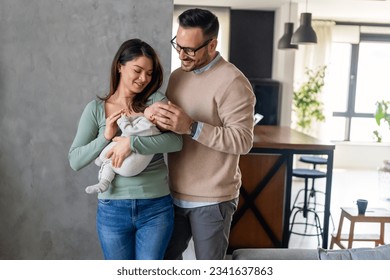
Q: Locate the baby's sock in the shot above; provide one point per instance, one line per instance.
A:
(100, 187)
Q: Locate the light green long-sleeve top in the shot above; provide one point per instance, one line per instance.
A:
(90, 141)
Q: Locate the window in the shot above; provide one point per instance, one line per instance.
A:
(358, 78)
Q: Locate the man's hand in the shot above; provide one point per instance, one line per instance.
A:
(172, 117)
(120, 151)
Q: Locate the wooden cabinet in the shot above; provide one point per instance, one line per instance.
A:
(258, 221)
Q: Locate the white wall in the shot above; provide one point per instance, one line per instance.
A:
(283, 61)
(361, 156)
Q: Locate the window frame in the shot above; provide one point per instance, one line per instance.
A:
(350, 113)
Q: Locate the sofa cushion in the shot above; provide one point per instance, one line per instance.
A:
(377, 253)
(274, 254)
(324, 254)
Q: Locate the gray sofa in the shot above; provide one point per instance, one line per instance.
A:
(377, 253)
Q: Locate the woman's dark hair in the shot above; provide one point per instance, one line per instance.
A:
(129, 51)
(203, 19)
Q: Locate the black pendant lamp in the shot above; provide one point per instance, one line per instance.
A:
(305, 33)
(285, 41)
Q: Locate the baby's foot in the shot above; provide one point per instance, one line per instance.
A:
(100, 187)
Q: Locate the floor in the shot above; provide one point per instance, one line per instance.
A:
(347, 187)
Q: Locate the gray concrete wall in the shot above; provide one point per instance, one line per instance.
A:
(55, 57)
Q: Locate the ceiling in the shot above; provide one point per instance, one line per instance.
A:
(376, 11)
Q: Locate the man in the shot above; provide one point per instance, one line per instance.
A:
(212, 105)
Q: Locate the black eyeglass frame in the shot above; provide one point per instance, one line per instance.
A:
(178, 48)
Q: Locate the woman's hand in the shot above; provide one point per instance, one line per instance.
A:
(120, 151)
(111, 125)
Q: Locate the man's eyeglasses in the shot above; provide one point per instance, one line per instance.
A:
(188, 51)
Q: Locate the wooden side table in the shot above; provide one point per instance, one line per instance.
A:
(372, 215)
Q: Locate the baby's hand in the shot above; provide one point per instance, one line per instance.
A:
(151, 112)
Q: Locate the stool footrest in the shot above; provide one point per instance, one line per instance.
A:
(317, 227)
(358, 237)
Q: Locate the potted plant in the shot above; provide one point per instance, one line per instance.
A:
(382, 116)
(306, 103)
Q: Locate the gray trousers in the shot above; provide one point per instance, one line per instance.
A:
(209, 227)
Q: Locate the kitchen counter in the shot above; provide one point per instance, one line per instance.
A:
(262, 217)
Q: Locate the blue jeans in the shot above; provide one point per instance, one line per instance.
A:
(135, 229)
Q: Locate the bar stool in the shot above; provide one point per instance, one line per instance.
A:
(315, 160)
(304, 207)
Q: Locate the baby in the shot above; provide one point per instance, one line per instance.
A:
(141, 125)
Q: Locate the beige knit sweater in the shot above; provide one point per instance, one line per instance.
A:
(206, 169)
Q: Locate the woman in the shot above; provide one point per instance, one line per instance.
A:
(134, 217)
